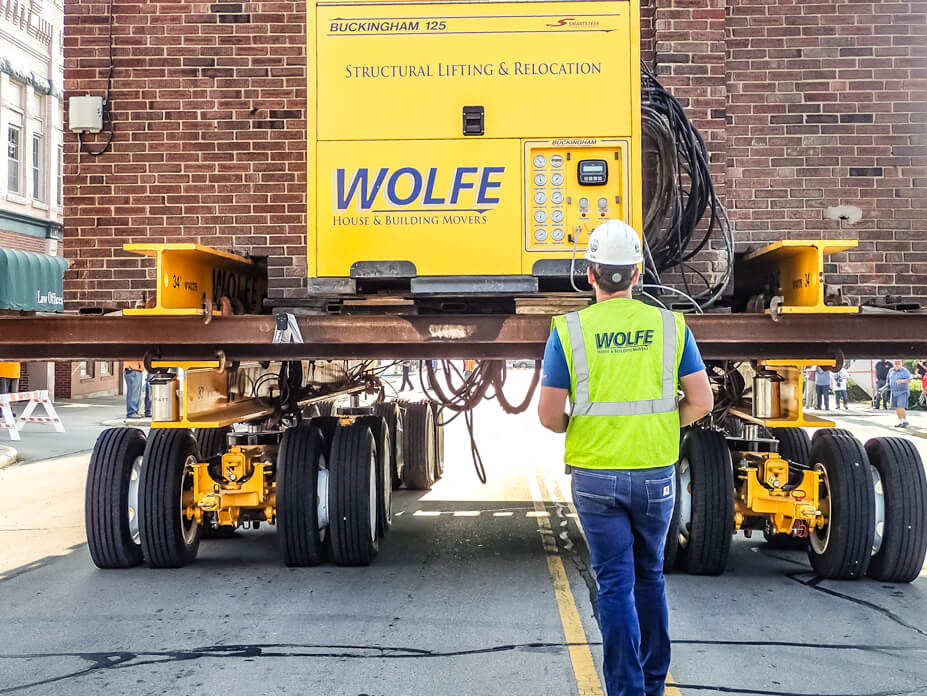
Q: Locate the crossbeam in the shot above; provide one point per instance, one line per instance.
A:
(249, 337)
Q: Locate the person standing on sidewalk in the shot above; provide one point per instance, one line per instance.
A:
(621, 363)
(882, 369)
(133, 370)
(9, 377)
(899, 382)
(406, 366)
(822, 387)
(840, 388)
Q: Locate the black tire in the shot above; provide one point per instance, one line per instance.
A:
(168, 539)
(418, 474)
(301, 454)
(393, 414)
(353, 527)
(439, 440)
(900, 556)
(843, 549)
(380, 431)
(705, 541)
(211, 442)
(106, 502)
(328, 425)
(794, 444)
(831, 432)
(671, 547)
(326, 408)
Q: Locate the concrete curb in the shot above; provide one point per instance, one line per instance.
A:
(8, 456)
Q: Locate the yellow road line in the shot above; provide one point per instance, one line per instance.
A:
(587, 676)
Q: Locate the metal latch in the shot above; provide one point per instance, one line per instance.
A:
(287, 330)
(473, 120)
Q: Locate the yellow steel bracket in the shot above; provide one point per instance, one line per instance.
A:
(782, 507)
(215, 398)
(791, 406)
(796, 272)
(193, 279)
(227, 501)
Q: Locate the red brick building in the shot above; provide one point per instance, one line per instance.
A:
(815, 114)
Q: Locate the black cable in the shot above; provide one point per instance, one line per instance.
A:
(683, 194)
(107, 108)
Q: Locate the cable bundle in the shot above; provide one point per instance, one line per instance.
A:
(683, 193)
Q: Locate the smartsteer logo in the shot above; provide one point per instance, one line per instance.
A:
(416, 196)
(623, 341)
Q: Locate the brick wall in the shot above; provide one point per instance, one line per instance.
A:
(814, 113)
(208, 103)
(23, 242)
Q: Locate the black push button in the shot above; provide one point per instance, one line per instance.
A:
(473, 120)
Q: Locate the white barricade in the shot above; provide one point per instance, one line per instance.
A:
(35, 398)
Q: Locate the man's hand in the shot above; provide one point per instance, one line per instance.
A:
(552, 409)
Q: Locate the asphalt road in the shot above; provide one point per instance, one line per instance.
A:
(480, 590)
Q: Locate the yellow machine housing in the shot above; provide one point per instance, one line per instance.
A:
(469, 139)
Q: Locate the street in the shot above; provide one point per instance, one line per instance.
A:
(479, 590)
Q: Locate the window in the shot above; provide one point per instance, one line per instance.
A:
(86, 370)
(14, 159)
(38, 190)
(60, 173)
(106, 369)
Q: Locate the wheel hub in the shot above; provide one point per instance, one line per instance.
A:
(685, 501)
(879, 509)
(132, 499)
(819, 537)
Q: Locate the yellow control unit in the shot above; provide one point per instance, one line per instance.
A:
(459, 140)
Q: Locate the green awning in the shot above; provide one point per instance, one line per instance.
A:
(31, 282)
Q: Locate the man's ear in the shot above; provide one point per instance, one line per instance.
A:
(637, 276)
(590, 276)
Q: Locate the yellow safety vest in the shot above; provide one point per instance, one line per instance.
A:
(624, 360)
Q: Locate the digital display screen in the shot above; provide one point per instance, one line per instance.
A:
(592, 167)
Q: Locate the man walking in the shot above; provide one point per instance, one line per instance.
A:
(899, 381)
(133, 370)
(881, 386)
(621, 363)
(840, 388)
(822, 387)
(405, 377)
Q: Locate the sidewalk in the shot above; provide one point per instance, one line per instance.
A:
(83, 421)
(863, 413)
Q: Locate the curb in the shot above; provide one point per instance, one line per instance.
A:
(8, 456)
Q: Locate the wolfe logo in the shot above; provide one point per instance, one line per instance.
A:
(574, 23)
(613, 341)
(408, 188)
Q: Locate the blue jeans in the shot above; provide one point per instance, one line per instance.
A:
(881, 394)
(823, 392)
(841, 394)
(625, 514)
(134, 393)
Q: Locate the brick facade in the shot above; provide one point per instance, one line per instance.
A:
(815, 114)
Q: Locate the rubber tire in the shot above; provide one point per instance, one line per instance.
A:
(384, 444)
(439, 440)
(326, 408)
(211, 442)
(712, 490)
(852, 508)
(900, 558)
(353, 542)
(328, 425)
(298, 463)
(831, 432)
(794, 444)
(671, 547)
(393, 413)
(418, 474)
(106, 510)
(163, 543)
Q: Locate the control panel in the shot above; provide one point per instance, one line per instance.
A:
(571, 186)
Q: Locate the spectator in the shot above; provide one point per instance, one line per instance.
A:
(840, 388)
(406, 366)
(9, 377)
(822, 387)
(133, 371)
(924, 390)
(881, 386)
(899, 382)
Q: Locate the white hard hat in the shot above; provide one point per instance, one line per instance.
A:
(614, 243)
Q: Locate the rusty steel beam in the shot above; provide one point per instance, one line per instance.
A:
(720, 337)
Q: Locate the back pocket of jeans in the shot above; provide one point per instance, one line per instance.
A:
(660, 495)
(599, 487)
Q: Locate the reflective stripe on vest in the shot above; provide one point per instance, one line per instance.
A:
(584, 407)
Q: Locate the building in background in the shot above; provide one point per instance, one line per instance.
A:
(31, 194)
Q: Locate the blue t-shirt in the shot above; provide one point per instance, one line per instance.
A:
(893, 378)
(557, 372)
